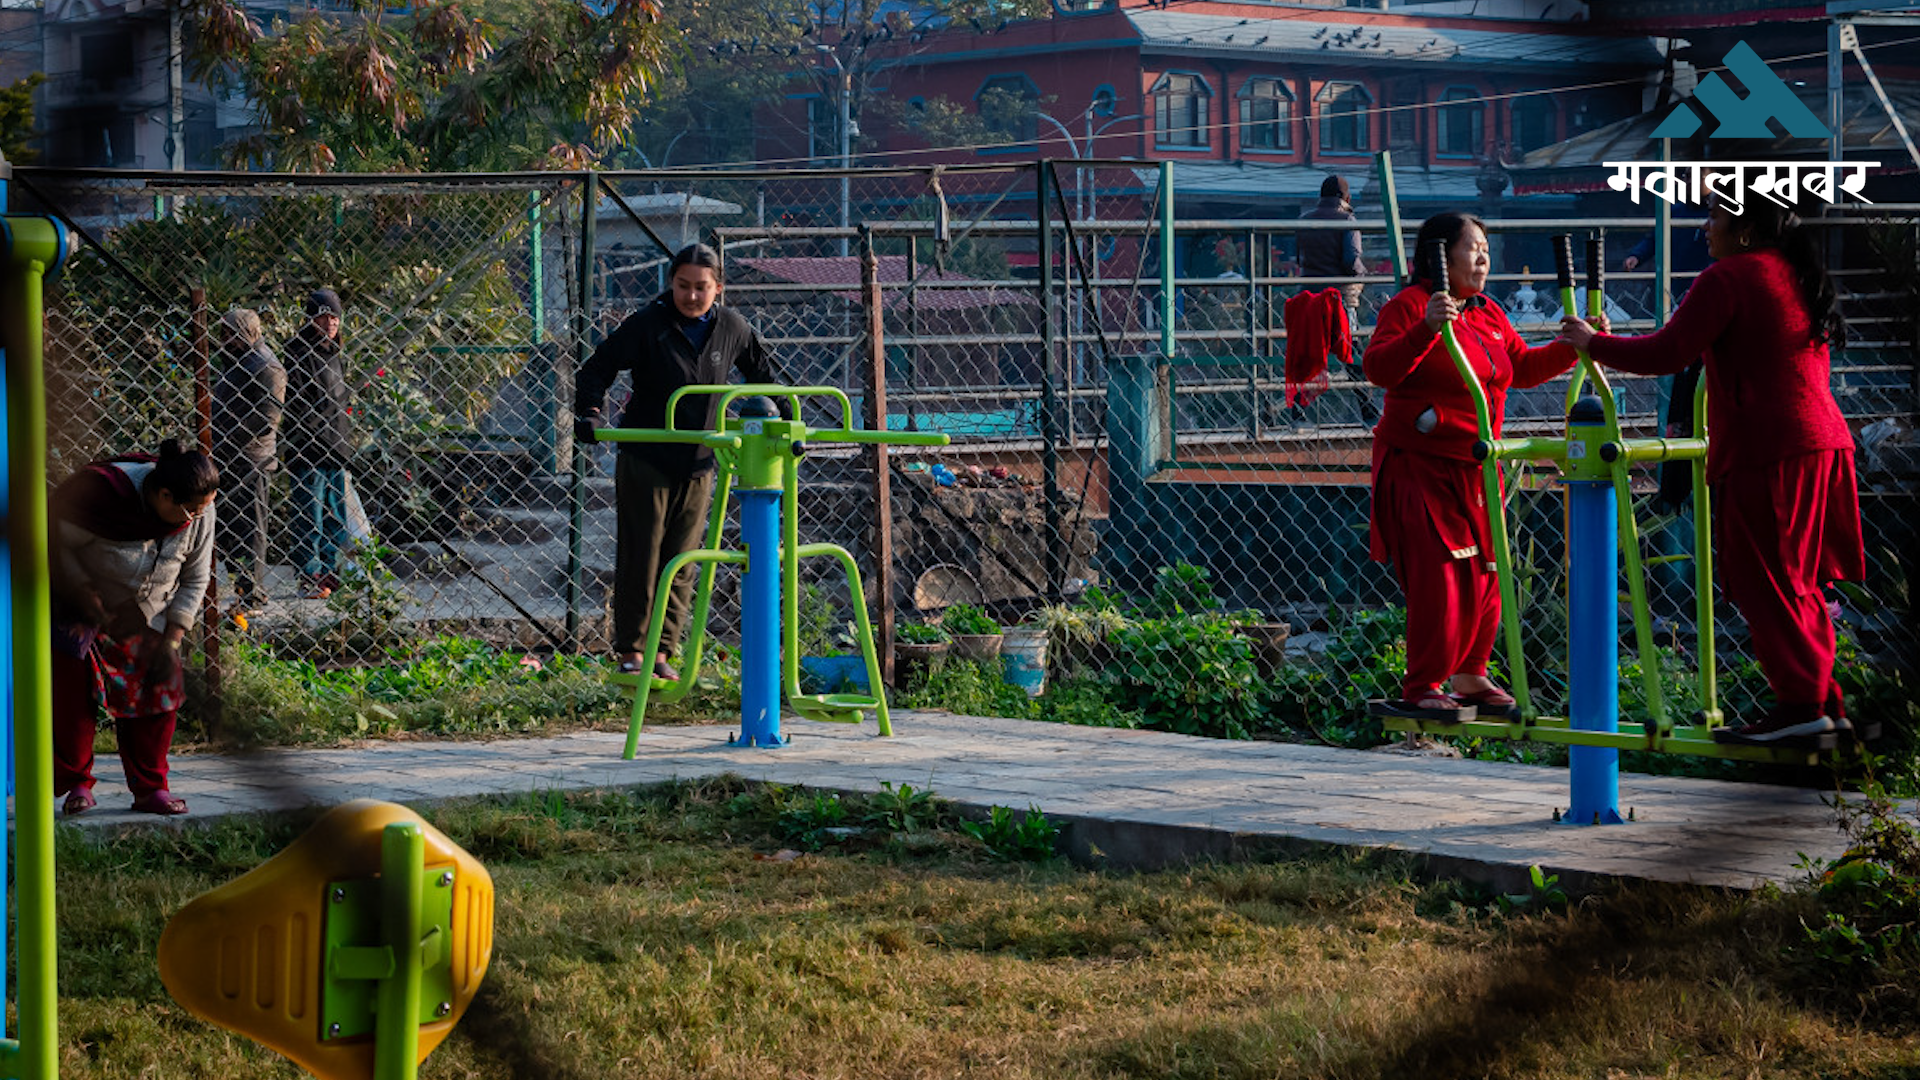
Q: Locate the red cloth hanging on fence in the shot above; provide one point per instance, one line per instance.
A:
(1316, 324)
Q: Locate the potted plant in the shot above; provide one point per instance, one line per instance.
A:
(975, 635)
(1268, 633)
(1079, 636)
(918, 651)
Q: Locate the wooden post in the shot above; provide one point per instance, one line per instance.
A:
(202, 354)
(874, 395)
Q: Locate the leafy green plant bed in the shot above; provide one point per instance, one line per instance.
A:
(441, 687)
(692, 930)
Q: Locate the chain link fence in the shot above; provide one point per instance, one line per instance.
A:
(1126, 469)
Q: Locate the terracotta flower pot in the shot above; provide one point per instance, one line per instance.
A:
(981, 647)
(1269, 645)
(914, 663)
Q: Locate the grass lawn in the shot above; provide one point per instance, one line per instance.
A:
(692, 930)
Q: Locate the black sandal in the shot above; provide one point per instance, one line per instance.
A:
(1436, 707)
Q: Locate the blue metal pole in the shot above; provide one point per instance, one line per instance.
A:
(760, 619)
(6, 650)
(1593, 618)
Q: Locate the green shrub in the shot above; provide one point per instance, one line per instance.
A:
(1027, 838)
(1326, 696)
(919, 634)
(968, 619)
(1181, 589)
(970, 689)
(1867, 941)
(444, 686)
(1089, 703)
(1189, 674)
(819, 628)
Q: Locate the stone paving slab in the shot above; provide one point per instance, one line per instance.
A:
(1132, 798)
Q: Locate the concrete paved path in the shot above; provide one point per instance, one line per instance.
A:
(1135, 798)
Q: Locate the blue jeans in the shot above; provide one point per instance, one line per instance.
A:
(319, 499)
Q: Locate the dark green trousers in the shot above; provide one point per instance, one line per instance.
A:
(657, 517)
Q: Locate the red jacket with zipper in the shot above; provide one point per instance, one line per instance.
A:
(1411, 362)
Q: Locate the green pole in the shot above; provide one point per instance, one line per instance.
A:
(396, 1033)
(36, 247)
(1050, 425)
(1396, 243)
(1703, 570)
(582, 348)
(536, 271)
(1166, 260)
(546, 420)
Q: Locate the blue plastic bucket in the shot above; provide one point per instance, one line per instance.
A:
(833, 674)
(1023, 657)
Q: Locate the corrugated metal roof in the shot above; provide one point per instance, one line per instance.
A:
(1301, 183)
(1367, 43)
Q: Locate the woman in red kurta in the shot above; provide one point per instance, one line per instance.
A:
(1779, 455)
(1429, 504)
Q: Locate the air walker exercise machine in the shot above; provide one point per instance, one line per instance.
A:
(1594, 460)
(759, 453)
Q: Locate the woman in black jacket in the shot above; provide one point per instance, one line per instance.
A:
(662, 491)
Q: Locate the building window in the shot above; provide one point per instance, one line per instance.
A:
(1533, 122)
(1180, 111)
(823, 129)
(1404, 116)
(1008, 104)
(1343, 118)
(1462, 123)
(1266, 115)
(106, 60)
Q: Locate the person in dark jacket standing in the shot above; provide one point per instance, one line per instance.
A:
(662, 491)
(319, 437)
(248, 400)
(1329, 253)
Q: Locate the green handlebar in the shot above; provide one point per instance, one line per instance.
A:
(1658, 449)
(727, 392)
(667, 435)
(892, 438)
(1526, 449)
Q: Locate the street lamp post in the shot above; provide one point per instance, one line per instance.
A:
(1083, 212)
(845, 82)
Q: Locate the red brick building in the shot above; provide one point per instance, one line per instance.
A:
(1258, 101)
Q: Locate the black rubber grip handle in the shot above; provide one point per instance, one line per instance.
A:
(1437, 258)
(1563, 259)
(1596, 269)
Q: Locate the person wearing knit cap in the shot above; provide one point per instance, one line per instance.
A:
(317, 431)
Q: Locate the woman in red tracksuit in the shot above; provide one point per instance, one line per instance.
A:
(1780, 455)
(1429, 503)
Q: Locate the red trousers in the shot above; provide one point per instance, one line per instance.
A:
(1453, 613)
(1786, 529)
(144, 740)
(1430, 521)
